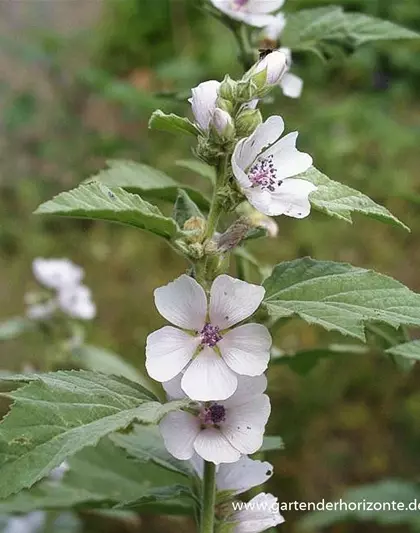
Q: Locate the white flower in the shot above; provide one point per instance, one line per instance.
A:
(290, 84)
(56, 273)
(41, 311)
(206, 349)
(30, 523)
(203, 103)
(76, 301)
(273, 31)
(259, 514)
(275, 64)
(220, 432)
(252, 12)
(237, 477)
(265, 165)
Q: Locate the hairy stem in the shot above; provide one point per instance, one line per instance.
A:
(216, 208)
(209, 498)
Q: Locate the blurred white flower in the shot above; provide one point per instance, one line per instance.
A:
(71, 296)
(41, 311)
(237, 477)
(57, 473)
(273, 31)
(30, 523)
(253, 12)
(223, 123)
(56, 273)
(210, 354)
(257, 515)
(220, 432)
(77, 302)
(265, 165)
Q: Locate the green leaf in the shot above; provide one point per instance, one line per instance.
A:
(271, 443)
(100, 360)
(147, 181)
(185, 209)
(338, 296)
(98, 477)
(58, 414)
(98, 202)
(408, 350)
(321, 29)
(172, 123)
(198, 167)
(146, 444)
(339, 201)
(384, 493)
(14, 328)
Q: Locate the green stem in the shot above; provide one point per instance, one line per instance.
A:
(216, 208)
(209, 498)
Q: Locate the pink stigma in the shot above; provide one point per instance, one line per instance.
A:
(210, 335)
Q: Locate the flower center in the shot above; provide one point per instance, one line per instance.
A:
(210, 335)
(213, 415)
(263, 174)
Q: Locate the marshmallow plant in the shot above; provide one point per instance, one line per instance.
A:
(207, 411)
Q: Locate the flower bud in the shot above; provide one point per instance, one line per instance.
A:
(247, 121)
(222, 125)
(224, 105)
(269, 71)
(228, 89)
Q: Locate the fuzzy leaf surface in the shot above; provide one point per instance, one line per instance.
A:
(98, 202)
(338, 296)
(340, 201)
(56, 415)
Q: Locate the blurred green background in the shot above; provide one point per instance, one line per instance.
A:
(79, 80)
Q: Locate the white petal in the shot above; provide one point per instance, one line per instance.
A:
(258, 18)
(262, 513)
(56, 273)
(248, 387)
(267, 6)
(274, 30)
(243, 475)
(244, 425)
(211, 445)
(291, 85)
(179, 431)
(30, 523)
(261, 200)
(168, 350)
(292, 198)
(246, 349)
(173, 388)
(264, 136)
(209, 378)
(203, 102)
(287, 159)
(233, 300)
(182, 302)
(238, 165)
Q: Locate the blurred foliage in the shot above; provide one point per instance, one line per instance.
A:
(72, 101)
